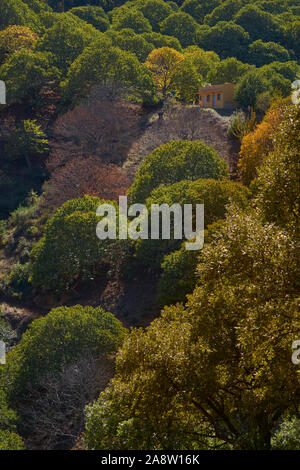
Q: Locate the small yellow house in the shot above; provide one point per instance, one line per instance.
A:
(217, 96)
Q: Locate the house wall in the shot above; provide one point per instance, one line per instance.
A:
(217, 96)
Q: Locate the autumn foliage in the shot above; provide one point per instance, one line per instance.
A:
(259, 143)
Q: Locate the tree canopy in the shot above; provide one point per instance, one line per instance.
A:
(173, 162)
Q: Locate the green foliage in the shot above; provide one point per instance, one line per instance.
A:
(21, 216)
(15, 284)
(261, 53)
(187, 80)
(69, 250)
(161, 40)
(101, 63)
(214, 194)
(11, 441)
(8, 417)
(95, 16)
(288, 70)
(241, 124)
(155, 11)
(58, 339)
(227, 39)
(224, 12)
(26, 142)
(226, 348)
(182, 26)
(178, 277)
(259, 24)
(198, 10)
(127, 40)
(274, 6)
(229, 70)
(14, 38)
(38, 6)
(17, 12)
(131, 18)
(173, 162)
(287, 437)
(255, 82)
(25, 72)
(292, 35)
(203, 61)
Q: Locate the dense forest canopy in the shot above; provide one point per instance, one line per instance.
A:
(101, 102)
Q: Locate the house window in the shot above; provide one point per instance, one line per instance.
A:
(208, 98)
(219, 96)
(200, 98)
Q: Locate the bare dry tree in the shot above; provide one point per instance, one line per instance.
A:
(102, 129)
(55, 410)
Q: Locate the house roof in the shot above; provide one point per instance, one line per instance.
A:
(221, 87)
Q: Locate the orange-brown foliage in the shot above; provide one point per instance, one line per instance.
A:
(103, 129)
(259, 143)
(85, 176)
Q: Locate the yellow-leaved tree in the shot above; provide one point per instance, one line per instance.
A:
(174, 74)
(14, 38)
(257, 144)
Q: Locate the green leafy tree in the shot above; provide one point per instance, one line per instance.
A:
(14, 38)
(223, 12)
(155, 11)
(292, 36)
(228, 70)
(287, 437)
(255, 82)
(27, 141)
(25, 72)
(70, 251)
(288, 70)
(8, 417)
(102, 64)
(11, 441)
(38, 6)
(259, 24)
(17, 12)
(60, 338)
(198, 10)
(131, 18)
(178, 277)
(161, 40)
(173, 162)
(214, 194)
(188, 80)
(66, 39)
(94, 15)
(227, 39)
(274, 6)
(203, 61)
(127, 40)
(262, 53)
(182, 26)
(220, 367)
